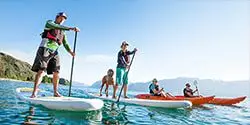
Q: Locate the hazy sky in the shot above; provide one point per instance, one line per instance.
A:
(204, 39)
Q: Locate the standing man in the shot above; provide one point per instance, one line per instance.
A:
(47, 57)
(123, 64)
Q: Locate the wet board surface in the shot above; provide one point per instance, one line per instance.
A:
(60, 103)
(151, 103)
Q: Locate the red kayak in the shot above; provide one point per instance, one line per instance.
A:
(227, 101)
(194, 100)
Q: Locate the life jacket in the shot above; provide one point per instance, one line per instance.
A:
(186, 90)
(54, 34)
(156, 88)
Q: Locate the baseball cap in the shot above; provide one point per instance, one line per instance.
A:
(61, 14)
(125, 43)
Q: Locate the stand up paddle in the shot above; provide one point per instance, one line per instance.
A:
(195, 84)
(125, 78)
(72, 66)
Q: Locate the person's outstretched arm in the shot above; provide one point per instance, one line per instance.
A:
(66, 46)
(131, 52)
(52, 25)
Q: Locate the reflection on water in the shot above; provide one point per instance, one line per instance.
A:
(114, 114)
(39, 115)
(77, 117)
(174, 113)
(31, 117)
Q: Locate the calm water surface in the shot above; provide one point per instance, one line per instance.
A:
(16, 111)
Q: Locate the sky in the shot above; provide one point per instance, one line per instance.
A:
(201, 39)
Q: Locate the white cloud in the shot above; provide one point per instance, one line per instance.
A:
(87, 69)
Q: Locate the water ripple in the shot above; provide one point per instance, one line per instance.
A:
(16, 111)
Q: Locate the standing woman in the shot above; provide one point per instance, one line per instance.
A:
(121, 69)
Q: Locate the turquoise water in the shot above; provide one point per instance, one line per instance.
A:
(16, 111)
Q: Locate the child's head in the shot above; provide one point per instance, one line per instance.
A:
(110, 72)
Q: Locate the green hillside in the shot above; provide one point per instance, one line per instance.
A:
(12, 68)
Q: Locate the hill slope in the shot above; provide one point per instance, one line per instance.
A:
(13, 68)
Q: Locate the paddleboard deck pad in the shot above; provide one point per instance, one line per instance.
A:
(60, 103)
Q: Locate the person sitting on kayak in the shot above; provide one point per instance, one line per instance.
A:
(188, 92)
(156, 91)
(107, 80)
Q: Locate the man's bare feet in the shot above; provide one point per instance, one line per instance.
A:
(126, 97)
(56, 94)
(34, 93)
(33, 96)
(100, 94)
(114, 97)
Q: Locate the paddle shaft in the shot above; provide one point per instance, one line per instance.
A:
(126, 75)
(72, 66)
(197, 90)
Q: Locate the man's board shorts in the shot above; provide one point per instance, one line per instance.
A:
(121, 76)
(46, 60)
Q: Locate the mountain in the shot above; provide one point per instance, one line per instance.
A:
(205, 86)
(96, 84)
(15, 69)
(79, 84)
(63, 81)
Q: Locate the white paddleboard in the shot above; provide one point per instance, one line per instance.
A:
(151, 103)
(60, 103)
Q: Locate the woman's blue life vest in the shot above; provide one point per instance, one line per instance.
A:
(151, 90)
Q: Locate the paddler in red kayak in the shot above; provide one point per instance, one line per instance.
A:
(155, 90)
(188, 92)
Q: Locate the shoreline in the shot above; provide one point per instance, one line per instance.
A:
(14, 80)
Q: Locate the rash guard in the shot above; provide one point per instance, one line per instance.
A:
(123, 59)
(54, 35)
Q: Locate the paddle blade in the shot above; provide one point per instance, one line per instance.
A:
(195, 82)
